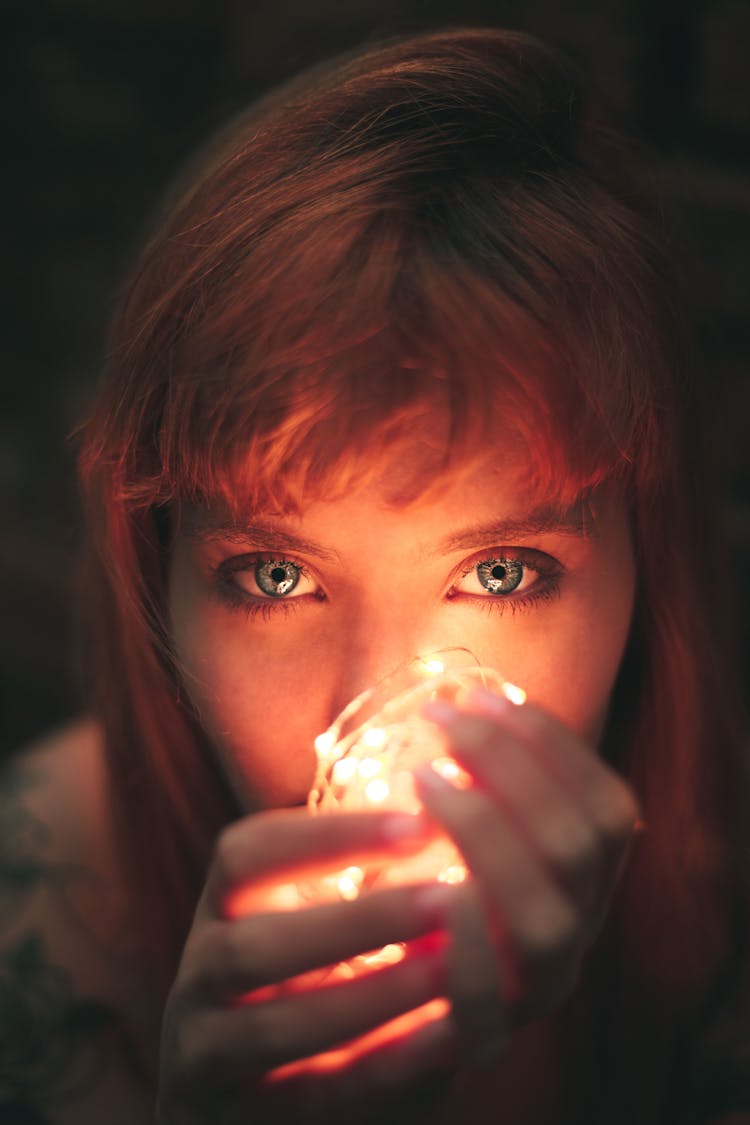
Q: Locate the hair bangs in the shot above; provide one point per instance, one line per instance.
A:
(330, 338)
(444, 362)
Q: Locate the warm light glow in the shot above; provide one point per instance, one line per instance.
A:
(515, 694)
(344, 770)
(394, 1031)
(348, 889)
(377, 791)
(369, 767)
(456, 873)
(449, 769)
(325, 742)
(388, 955)
(374, 737)
(367, 758)
(253, 899)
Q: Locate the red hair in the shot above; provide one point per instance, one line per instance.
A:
(442, 219)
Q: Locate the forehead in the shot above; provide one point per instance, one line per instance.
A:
(493, 496)
(403, 476)
(402, 460)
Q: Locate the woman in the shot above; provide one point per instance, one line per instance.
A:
(403, 349)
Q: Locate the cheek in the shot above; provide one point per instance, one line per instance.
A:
(580, 652)
(258, 711)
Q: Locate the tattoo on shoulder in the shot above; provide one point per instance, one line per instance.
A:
(23, 838)
(54, 1045)
(27, 862)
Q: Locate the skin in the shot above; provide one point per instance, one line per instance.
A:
(544, 828)
(384, 603)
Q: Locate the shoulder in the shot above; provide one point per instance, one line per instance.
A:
(81, 1028)
(54, 834)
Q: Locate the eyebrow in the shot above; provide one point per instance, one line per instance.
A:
(577, 522)
(259, 533)
(574, 522)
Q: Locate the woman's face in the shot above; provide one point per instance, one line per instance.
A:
(363, 585)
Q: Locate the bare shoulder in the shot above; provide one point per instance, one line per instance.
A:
(55, 831)
(79, 1040)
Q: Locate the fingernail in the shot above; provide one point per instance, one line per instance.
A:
(430, 780)
(433, 901)
(488, 702)
(403, 828)
(440, 712)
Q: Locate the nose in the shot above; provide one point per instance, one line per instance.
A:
(367, 660)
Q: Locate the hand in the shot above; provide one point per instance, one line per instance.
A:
(240, 1010)
(544, 831)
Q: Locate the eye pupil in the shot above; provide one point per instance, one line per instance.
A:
(501, 576)
(277, 578)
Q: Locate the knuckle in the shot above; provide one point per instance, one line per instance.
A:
(239, 952)
(572, 843)
(235, 853)
(549, 928)
(474, 732)
(199, 972)
(267, 1036)
(199, 1049)
(242, 945)
(226, 958)
(225, 855)
(617, 810)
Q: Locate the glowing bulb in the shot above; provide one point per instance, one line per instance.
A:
(350, 883)
(344, 770)
(377, 791)
(325, 742)
(375, 736)
(367, 758)
(449, 769)
(515, 694)
(369, 767)
(388, 955)
(456, 873)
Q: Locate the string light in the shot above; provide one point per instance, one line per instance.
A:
(366, 760)
(515, 694)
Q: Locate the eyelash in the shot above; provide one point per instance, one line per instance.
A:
(544, 590)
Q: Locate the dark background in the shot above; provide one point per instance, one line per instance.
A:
(107, 97)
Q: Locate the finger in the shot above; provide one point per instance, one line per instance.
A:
(608, 807)
(536, 929)
(258, 851)
(593, 785)
(407, 1066)
(230, 959)
(551, 825)
(477, 1003)
(230, 1043)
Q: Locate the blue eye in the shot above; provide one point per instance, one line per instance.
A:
(262, 584)
(516, 581)
(277, 577)
(239, 580)
(500, 576)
